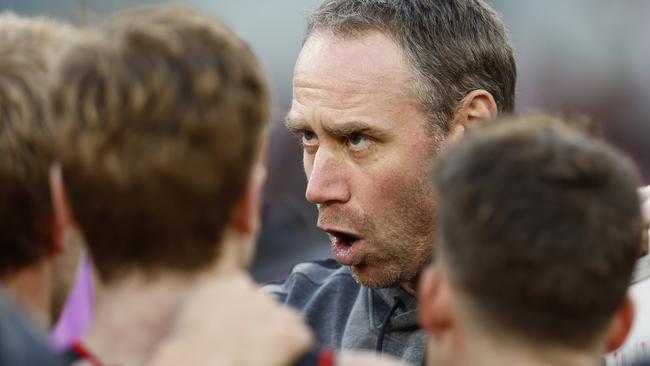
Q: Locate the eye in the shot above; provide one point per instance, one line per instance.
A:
(308, 138)
(358, 141)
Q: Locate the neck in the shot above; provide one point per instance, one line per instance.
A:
(31, 288)
(135, 315)
(131, 317)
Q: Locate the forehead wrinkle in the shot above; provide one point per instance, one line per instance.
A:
(341, 114)
(342, 97)
(367, 64)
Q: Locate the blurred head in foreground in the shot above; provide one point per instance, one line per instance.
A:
(160, 120)
(539, 229)
(36, 264)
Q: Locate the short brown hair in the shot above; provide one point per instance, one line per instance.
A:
(160, 117)
(452, 46)
(28, 47)
(539, 226)
(579, 122)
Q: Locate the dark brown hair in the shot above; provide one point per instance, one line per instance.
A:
(160, 117)
(540, 226)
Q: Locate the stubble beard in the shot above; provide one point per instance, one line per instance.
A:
(405, 245)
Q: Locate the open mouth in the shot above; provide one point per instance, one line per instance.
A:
(343, 238)
(345, 247)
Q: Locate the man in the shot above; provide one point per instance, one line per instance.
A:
(538, 232)
(37, 260)
(378, 89)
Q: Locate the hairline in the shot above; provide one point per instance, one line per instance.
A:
(418, 86)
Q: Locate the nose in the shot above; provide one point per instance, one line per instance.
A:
(326, 179)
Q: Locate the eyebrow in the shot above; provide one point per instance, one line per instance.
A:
(295, 125)
(340, 129)
(353, 127)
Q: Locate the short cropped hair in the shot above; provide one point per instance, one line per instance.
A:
(159, 119)
(539, 225)
(28, 49)
(579, 122)
(452, 46)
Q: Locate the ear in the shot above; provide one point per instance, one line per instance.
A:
(247, 211)
(60, 207)
(620, 325)
(476, 107)
(434, 297)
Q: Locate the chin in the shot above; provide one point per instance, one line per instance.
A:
(376, 276)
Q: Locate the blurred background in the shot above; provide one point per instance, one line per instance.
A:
(579, 57)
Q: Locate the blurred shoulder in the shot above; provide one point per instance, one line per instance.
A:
(312, 277)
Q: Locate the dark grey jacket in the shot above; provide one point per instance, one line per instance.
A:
(20, 343)
(346, 315)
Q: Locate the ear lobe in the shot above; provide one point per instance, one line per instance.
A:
(621, 325)
(435, 302)
(455, 134)
(60, 207)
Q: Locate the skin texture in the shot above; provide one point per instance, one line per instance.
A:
(367, 153)
(251, 328)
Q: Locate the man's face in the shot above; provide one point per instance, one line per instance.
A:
(367, 155)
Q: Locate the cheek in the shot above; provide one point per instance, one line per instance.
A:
(307, 163)
(393, 182)
(389, 186)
